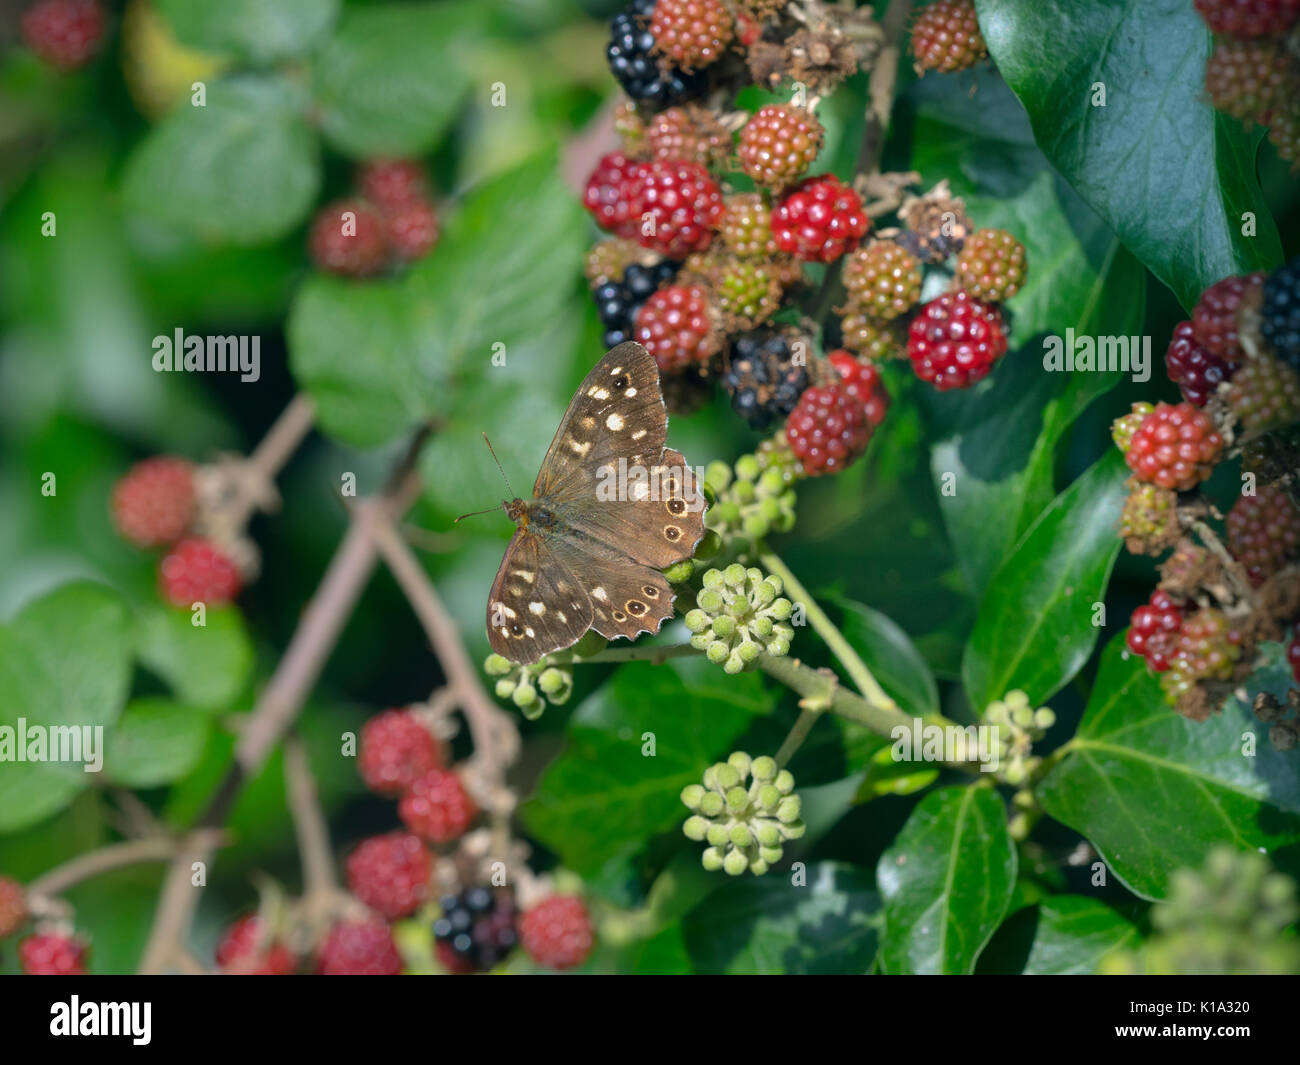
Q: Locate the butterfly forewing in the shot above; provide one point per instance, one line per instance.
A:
(537, 604)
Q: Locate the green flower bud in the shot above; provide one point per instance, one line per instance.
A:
(769, 797)
(717, 475)
(737, 798)
(771, 855)
(1023, 716)
(784, 782)
(505, 687)
(1017, 700)
(718, 835)
(764, 593)
(693, 795)
(788, 810)
(524, 695)
(696, 828)
(758, 867)
(728, 776)
(734, 664)
(794, 830)
(755, 526)
(764, 768)
(718, 652)
(767, 833)
(709, 599)
(711, 805)
(734, 575)
(724, 626)
(1044, 718)
(735, 863)
(696, 620)
(711, 776)
(496, 665)
(762, 627)
(781, 609)
(771, 482)
(680, 572)
(740, 762)
(713, 578)
(712, 859)
(747, 467)
(701, 640)
(552, 681)
(741, 836)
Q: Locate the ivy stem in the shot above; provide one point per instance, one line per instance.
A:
(632, 653)
(798, 733)
(821, 685)
(857, 670)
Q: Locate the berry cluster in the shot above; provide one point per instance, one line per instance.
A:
(391, 221)
(1253, 73)
(946, 37)
(52, 949)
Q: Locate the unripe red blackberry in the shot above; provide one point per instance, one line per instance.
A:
(827, 430)
(1153, 630)
(154, 502)
(52, 954)
(883, 280)
(477, 929)
(689, 134)
(1215, 317)
(1264, 532)
(1149, 521)
(746, 226)
(819, 220)
(1249, 18)
(391, 874)
(746, 293)
(436, 807)
(946, 37)
(247, 948)
(861, 380)
(13, 906)
(1293, 654)
(389, 183)
(1123, 427)
(1194, 370)
(779, 143)
(678, 326)
(675, 207)
(395, 749)
(1265, 394)
(411, 230)
(557, 932)
(359, 948)
(197, 571)
(872, 338)
(66, 34)
(1250, 79)
(1206, 647)
(348, 238)
(691, 33)
(1175, 447)
(954, 340)
(992, 266)
(608, 194)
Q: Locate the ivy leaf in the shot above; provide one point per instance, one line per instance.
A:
(206, 665)
(603, 798)
(391, 80)
(946, 882)
(259, 31)
(1035, 625)
(890, 654)
(243, 170)
(1060, 935)
(1129, 158)
(769, 926)
(1154, 792)
(65, 663)
(156, 741)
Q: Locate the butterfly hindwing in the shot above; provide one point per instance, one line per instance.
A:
(627, 599)
(537, 605)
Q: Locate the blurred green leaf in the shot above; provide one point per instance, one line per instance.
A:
(891, 656)
(245, 169)
(946, 882)
(769, 925)
(1132, 159)
(206, 666)
(602, 798)
(886, 775)
(1154, 792)
(1035, 627)
(155, 742)
(259, 31)
(391, 79)
(48, 686)
(1057, 935)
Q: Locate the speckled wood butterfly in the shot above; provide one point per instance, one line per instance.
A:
(611, 507)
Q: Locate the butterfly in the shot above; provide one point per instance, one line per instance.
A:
(611, 507)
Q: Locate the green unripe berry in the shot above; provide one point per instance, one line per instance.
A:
(763, 768)
(755, 526)
(696, 828)
(771, 482)
(717, 475)
(735, 863)
(693, 795)
(744, 492)
(769, 510)
(747, 467)
(712, 859)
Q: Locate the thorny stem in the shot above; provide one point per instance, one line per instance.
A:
(318, 878)
(103, 860)
(270, 455)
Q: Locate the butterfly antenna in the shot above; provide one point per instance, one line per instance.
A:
(498, 462)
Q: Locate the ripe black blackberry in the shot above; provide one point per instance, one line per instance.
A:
(477, 929)
(1279, 318)
(633, 62)
(762, 378)
(618, 301)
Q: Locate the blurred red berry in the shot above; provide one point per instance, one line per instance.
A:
(394, 750)
(64, 33)
(197, 571)
(52, 954)
(153, 502)
(359, 948)
(436, 807)
(390, 183)
(348, 238)
(557, 932)
(246, 949)
(390, 874)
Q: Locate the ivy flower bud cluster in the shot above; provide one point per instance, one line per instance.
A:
(1019, 727)
(739, 614)
(533, 686)
(745, 810)
(754, 499)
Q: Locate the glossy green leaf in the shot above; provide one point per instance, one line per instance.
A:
(603, 797)
(1172, 177)
(155, 742)
(890, 654)
(245, 169)
(1154, 792)
(259, 31)
(1036, 627)
(392, 78)
(1057, 935)
(206, 665)
(826, 924)
(65, 668)
(946, 882)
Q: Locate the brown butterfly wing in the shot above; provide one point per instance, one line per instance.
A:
(537, 604)
(627, 599)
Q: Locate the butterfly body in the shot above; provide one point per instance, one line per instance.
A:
(611, 507)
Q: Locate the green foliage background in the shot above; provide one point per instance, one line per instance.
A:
(198, 221)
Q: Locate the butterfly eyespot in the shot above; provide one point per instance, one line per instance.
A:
(618, 616)
(650, 591)
(516, 629)
(622, 381)
(676, 506)
(672, 532)
(636, 608)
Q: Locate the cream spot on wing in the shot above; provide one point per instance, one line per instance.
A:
(615, 371)
(524, 574)
(598, 393)
(638, 434)
(614, 423)
(530, 632)
(537, 607)
(564, 618)
(580, 449)
(507, 611)
(630, 393)
(640, 491)
(588, 422)
(600, 594)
